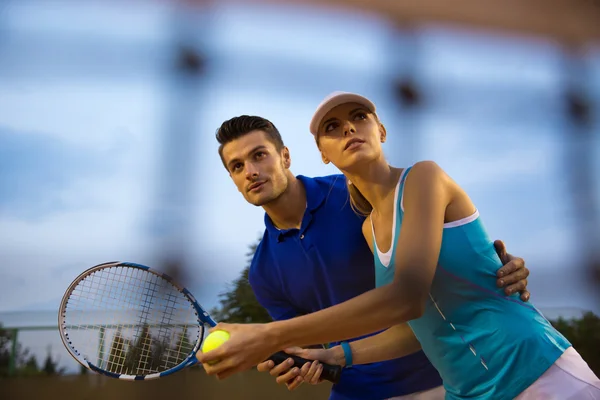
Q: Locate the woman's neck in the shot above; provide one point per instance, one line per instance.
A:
(375, 181)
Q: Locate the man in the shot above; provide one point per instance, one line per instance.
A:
(313, 255)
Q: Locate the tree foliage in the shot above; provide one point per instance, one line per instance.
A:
(238, 304)
(584, 335)
(25, 363)
(147, 351)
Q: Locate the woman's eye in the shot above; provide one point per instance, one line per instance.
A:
(360, 115)
(330, 127)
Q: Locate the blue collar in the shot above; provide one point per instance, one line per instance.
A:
(315, 195)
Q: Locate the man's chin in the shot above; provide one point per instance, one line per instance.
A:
(260, 201)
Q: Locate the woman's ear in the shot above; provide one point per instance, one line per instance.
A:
(383, 132)
(323, 156)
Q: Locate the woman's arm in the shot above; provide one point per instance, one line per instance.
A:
(395, 342)
(427, 193)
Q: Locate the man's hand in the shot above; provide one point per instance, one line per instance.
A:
(513, 274)
(292, 376)
(283, 373)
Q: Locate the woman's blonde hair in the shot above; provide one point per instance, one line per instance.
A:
(358, 202)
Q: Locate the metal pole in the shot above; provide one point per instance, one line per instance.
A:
(171, 217)
(12, 366)
(580, 161)
(407, 93)
(101, 347)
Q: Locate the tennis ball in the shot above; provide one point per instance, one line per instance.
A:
(214, 340)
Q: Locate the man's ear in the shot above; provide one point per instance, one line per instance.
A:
(286, 157)
(383, 132)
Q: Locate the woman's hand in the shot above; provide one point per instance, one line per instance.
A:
(248, 345)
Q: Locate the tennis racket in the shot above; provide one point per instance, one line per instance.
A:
(128, 321)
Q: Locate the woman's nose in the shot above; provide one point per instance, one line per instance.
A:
(349, 129)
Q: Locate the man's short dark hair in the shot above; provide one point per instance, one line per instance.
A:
(237, 127)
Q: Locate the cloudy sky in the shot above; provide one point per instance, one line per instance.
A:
(88, 101)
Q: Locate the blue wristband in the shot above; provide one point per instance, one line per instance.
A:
(347, 353)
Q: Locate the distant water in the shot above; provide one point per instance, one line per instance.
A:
(28, 318)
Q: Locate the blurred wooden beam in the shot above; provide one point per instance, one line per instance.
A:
(572, 23)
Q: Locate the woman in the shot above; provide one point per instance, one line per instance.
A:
(433, 266)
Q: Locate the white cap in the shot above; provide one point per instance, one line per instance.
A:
(333, 100)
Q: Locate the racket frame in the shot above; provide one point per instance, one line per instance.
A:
(190, 360)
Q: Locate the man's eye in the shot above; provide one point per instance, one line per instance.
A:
(260, 154)
(236, 167)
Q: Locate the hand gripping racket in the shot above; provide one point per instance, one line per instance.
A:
(130, 322)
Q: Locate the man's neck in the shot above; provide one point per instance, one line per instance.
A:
(287, 211)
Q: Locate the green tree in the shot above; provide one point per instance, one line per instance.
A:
(584, 335)
(50, 366)
(116, 356)
(160, 356)
(5, 348)
(238, 304)
(29, 367)
(182, 346)
(25, 363)
(139, 355)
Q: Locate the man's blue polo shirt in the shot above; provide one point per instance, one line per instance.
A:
(325, 262)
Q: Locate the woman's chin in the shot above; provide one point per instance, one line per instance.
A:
(357, 161)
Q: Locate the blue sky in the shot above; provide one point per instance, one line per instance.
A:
(84, 93)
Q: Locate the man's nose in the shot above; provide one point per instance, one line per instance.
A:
(251, 171)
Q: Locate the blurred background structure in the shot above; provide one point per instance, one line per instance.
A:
(108, 111)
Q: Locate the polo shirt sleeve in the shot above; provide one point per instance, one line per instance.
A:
(278, 307)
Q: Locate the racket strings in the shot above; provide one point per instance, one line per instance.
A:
(147, 325)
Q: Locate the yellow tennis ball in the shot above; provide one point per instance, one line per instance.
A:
(214, 340)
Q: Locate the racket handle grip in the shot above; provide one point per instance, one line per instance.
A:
(331, 373)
